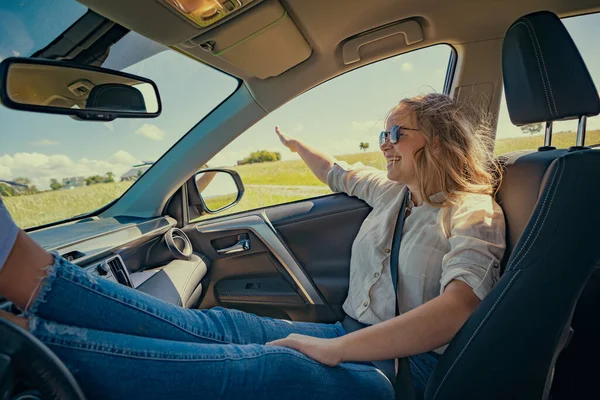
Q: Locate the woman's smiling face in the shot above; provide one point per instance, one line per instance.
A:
(400, 156)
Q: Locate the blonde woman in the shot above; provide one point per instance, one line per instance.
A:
(453, 241)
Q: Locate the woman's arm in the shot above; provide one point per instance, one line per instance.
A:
(319, 163)
(422, 329)
(24, 270)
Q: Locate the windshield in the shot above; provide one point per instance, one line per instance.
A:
(53, 167)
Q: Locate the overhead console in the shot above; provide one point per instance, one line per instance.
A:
(262, 42)
(256, 38)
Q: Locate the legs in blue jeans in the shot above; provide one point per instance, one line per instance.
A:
(421, 366)
(121, 343)
(70, 296)
(117, 366)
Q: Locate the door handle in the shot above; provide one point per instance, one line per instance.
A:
(242, 245)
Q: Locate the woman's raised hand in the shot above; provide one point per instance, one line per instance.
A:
(287, 141)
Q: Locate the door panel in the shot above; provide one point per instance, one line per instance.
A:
(322, 244)
(297, 263)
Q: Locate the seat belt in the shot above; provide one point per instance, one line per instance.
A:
(404, 385)
(403, 379)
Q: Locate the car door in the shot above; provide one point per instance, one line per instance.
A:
(295, 264)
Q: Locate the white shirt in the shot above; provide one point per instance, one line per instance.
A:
(464, 242)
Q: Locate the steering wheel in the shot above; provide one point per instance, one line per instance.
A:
(29, 369)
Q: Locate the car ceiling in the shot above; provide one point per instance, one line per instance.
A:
(327, 24)
(475, 28)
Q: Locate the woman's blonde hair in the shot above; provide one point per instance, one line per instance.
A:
(457, 156)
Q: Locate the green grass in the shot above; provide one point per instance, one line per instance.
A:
(296, 172)
(258, 198)
(46, 207)
(559, 140)
(52, 206)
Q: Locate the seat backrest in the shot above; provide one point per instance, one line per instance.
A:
(523, 173)
(508, 347)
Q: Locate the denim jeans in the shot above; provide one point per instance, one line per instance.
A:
(120, 343)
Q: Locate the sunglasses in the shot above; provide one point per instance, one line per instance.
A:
(394, 134)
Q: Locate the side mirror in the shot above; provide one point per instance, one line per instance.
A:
(84, 92)
(218, 189)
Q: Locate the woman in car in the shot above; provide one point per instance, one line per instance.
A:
(120, 343)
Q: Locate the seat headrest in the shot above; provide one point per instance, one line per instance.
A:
(545, 78)
(116, 97)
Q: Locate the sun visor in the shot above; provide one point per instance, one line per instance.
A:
(262, 42)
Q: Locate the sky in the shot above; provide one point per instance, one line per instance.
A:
(335, 116)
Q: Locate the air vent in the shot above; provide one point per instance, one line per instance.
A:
(73, 255)
(119, 270)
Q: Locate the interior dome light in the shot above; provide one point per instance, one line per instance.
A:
(204, 13)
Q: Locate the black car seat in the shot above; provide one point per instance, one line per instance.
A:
(509, 346)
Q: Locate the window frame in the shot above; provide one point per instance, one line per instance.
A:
(448, 81)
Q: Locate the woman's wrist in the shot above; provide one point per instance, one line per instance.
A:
(340, 345)
(295, 145)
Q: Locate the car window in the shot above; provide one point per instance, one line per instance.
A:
(583, 29)
(342, 117)
(53, 167)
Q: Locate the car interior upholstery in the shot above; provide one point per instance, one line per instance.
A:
(279, 49)
(551, 252)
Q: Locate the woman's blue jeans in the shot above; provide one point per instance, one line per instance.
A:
(123, 344)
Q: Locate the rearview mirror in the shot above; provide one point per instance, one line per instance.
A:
(88, 93)
(219, 189)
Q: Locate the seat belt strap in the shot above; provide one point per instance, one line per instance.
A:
(403, 386)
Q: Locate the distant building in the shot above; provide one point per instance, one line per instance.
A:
(74, 182)
(134, 173)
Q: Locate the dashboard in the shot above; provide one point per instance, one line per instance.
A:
(149, 255)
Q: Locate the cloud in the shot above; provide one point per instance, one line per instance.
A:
(16, 53)
(407, 67)
(151, 132)
(45, 143)
(40, 168)
(122, 157)
(109, 126)
(298, 128)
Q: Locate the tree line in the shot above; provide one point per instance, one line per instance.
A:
(89, 181)
(24, 187)
(260, 156)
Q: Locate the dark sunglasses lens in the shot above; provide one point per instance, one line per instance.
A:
(382, 136)
(394, 133)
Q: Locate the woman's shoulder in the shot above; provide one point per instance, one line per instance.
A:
(476, 200)
(474, 208)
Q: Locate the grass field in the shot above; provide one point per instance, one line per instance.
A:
(46, 207)
(559, 140)
(256, 197)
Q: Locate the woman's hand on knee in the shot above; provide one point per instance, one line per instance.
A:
(325, 351)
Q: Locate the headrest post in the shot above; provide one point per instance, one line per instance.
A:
(548, 134)
(581, 131)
